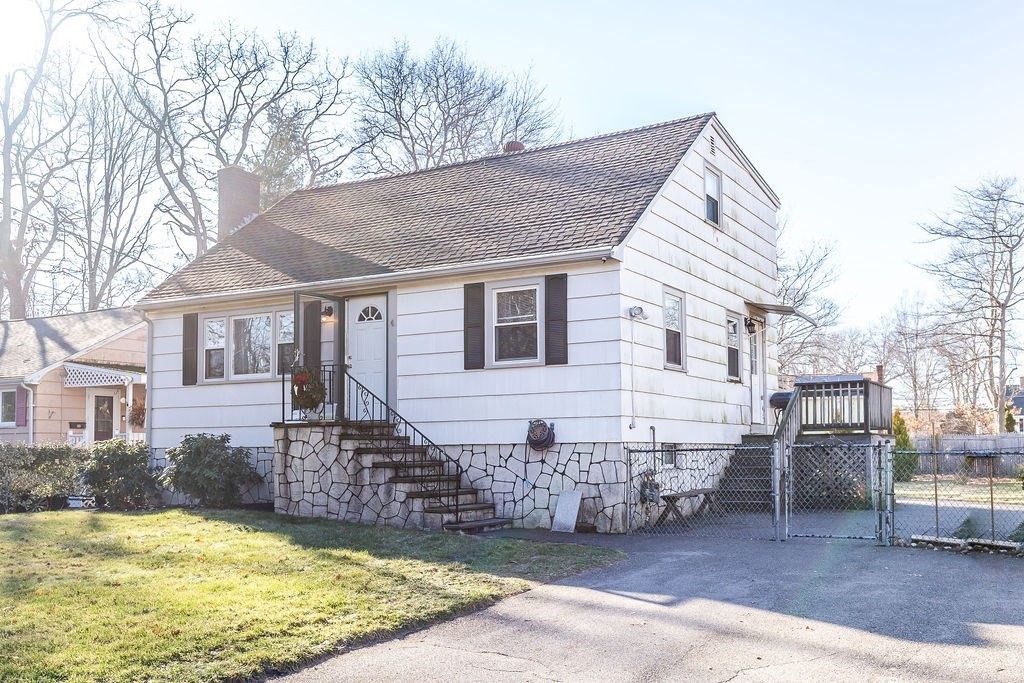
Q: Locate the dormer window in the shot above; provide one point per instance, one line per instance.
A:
(712, 195)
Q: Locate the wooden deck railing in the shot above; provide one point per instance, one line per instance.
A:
(851, 406)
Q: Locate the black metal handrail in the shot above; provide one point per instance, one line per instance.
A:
(347, 400)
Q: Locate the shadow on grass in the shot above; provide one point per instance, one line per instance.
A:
(504, 557)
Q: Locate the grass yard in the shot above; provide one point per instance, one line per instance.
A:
(1005, 491)
(179, 595)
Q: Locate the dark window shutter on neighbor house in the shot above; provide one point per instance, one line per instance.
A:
(20, 407)
(311, 334)
(556, 325)
(189, 348)
(473, 326)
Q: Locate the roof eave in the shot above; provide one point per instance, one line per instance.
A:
(382, 279)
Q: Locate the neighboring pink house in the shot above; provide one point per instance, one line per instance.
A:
(72, 377)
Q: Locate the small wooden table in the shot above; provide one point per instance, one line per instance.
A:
(672, 504)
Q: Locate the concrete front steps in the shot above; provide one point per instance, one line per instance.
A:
(459, 507)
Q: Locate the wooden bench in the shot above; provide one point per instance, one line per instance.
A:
(672, 504)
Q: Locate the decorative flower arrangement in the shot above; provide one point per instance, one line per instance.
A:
(307, 389)
(137, 414)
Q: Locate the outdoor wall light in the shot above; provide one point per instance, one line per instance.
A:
(326, 313)
(750, 325)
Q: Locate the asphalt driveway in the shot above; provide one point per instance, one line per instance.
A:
(717, 610)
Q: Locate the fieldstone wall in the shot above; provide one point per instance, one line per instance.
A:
(319, 473)
(524, 484)
(262, 458)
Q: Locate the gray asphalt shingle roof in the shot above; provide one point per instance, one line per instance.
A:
(32, 344)
(575, 195)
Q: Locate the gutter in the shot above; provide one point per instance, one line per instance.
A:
(380, 279)
(148, 403)
(30, 411)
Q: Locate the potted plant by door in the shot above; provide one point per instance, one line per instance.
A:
(308, 391)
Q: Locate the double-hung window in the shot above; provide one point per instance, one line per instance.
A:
(516, 324)
(285, 341)
(712, 195)
(250, 345)
(732, 345)
(675, 332)
(214, 339)
(247, 346)
(8, 408)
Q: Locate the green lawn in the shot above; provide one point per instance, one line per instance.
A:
(181, 595)
(1005, 491)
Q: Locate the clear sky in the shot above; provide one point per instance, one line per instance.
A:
(863, 116)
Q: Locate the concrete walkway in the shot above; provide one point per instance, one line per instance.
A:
(715, 610)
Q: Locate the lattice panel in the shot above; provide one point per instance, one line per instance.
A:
(87, 376)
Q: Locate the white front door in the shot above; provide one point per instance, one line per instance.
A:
(103, 414)
(757, 376)
(366, 346)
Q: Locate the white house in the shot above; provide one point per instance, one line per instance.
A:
(621, 287)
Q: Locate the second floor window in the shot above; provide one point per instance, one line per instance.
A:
(712, 195)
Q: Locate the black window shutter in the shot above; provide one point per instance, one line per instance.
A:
(556, 325)
(473, 325)
(189, 348)
(311, 334)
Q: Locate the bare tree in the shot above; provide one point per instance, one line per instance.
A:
(417, 113)
(803, 278)
(914, 356)
(112, 199)
(230, 98)
(981, 275)
(37, 108)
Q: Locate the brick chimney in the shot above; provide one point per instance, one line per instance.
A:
(880, 373)
(238, 199)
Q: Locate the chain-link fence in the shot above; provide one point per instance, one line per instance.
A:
(959, 496)
(703, 489)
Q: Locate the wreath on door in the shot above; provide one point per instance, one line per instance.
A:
(308, 389)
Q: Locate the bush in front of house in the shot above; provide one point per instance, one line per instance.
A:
(119, 475)
(40, 476)
(209, 470)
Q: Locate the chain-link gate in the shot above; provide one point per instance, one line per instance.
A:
(765, 490)
(836, 489)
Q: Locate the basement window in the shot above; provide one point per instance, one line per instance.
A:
(712, 195)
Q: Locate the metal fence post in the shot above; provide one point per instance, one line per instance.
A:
(991, 496)
(935, 486)
(890, 493)
(629, 486)
(776, 497)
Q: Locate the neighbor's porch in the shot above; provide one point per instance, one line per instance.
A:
(99, 402)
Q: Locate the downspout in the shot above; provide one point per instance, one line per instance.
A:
(635, 312)
(148, 405)
(31, 410)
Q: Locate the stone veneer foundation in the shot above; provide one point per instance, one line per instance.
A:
(319, 473)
